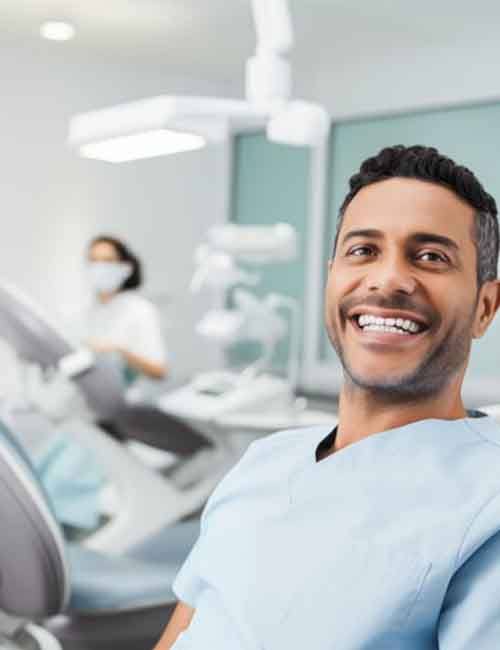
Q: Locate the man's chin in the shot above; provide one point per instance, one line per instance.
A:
(390, 384)
(380, 377)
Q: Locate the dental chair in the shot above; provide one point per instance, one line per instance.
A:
(147, 502)
(88, 600)
(39, 341)
(139, 502)
(493, 410)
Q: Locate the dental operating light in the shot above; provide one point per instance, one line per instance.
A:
(255, 244)
(147, 144)
(216, 260)
(180, 123)
(218, 270)
(250, 318)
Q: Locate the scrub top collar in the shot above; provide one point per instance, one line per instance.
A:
(327, 443)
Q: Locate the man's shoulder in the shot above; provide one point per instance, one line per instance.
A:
(290, 439)
(279, 452)
(280, 448)
(486, 429)
(265, 459)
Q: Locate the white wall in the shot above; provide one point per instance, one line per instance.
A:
(389, 79)
(52, 202)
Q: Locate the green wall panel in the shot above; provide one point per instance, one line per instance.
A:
(271, 184)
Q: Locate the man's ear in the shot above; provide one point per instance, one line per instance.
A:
(487, 305)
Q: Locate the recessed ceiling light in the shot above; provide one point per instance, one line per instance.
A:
(57, 31)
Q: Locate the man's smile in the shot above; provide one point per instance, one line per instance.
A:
(380, 336)
(387, 326)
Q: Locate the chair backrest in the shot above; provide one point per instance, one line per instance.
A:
(35, 338)
(38, 340)
(34, 577)
(493, 410)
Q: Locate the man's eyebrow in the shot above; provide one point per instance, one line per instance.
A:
(370, 233)
(432, 238)
(418, 237)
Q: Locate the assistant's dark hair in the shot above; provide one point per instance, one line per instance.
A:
(427, 164)
(124, 253)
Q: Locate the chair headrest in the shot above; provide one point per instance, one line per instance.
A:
(34, 579)
(493, 410)
(39, 340)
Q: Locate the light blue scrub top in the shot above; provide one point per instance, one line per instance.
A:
(392, 543)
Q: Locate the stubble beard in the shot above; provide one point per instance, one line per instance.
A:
(441, 364)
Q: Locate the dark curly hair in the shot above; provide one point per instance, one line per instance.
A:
(428, 164)
(124, 253)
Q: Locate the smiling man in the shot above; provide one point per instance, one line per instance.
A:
(383, 534)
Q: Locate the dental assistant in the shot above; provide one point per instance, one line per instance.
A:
(383, 532)
(120, 321)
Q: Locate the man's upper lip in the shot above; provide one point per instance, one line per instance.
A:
(388, 313)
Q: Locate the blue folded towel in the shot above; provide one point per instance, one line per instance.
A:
(73, 481)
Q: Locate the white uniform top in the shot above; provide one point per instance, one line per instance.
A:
(128, 320)
(391, 543)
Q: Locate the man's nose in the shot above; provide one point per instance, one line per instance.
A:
(391, 275)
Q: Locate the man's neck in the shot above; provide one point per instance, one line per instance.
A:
(362, 414)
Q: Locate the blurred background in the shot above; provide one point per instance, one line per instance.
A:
(356, 58)
(133, 399)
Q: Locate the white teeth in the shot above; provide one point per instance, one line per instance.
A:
(377, 323)
(383, 328)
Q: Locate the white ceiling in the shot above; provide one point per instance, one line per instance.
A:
(214, 37)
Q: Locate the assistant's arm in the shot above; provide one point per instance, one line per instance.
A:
(152, 369)
(179, 621)
(149, 368)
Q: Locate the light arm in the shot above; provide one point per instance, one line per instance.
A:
(273, 25)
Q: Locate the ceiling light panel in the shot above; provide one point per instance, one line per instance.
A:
(57, 31)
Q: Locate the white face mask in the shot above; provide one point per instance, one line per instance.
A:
(107, 277)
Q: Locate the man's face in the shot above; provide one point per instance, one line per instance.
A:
(405, 254)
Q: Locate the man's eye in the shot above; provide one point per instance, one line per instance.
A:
(359, 251)
(432, 256)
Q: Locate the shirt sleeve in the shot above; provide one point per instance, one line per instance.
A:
(189, 582)
(148, 339)
(470, 616)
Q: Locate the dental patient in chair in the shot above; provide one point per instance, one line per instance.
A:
(382, 533)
